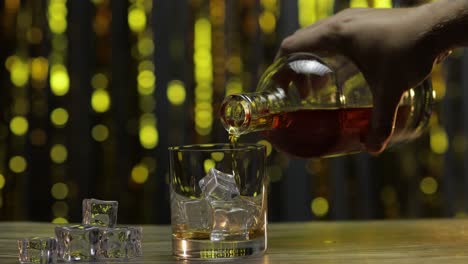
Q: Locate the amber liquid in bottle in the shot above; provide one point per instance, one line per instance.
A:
(324, 132)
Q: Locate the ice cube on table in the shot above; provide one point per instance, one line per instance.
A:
(135, 236)
(119, 243)
(233, 220)
(77, 242)
(217, 185)
(41, 250)
(100, 213)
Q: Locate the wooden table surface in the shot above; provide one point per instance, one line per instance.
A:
(408, 241)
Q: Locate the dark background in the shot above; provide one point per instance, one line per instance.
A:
(92, 93)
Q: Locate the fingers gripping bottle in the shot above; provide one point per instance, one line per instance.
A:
(308, 106)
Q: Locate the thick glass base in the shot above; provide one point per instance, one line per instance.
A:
(215, 250)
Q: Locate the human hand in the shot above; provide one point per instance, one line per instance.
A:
(388, 46)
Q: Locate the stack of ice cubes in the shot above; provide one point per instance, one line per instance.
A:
(96, 239)
(222, 210)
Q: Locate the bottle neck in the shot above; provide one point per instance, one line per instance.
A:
(246, 113)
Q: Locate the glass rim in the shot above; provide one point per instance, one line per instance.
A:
(212, 147)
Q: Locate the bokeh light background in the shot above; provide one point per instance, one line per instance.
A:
(93, 92)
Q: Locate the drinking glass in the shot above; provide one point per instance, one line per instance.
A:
(218, 201)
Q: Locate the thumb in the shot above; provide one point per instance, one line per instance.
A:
(381, 124)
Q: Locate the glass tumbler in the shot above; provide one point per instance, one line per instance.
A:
(218, 201)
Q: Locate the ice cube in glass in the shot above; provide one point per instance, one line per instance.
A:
(233, 220)
(217, 185)
(197, 213)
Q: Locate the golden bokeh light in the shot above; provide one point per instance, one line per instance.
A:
(59, 191)
(140, 174)
(439, 140)
(267, 21)
(17, 164)
(203, 131)
(57, 16)
(202, 33)
(19, 125)
(269, 4)
(204, 106)
(176, 92)
(58, 153)
(99, 81)
(149, 136)
(39, 69)
(146, 65)
(382, 4)
(59, 117)
(428, 185)
(100, 133)
(12, 5)
(2, 181)
(208, 164)
(203, 118)
(57, 8)
(203, 94)
(100, 101)
(310, 11)
(19, 73)
(147, 119)
(146, 80)
(137, 19)
(358, 3)
(217, 156)
(10, 61)
(203, 72)
(59, 80)
(319, 206)
(145, 46)
(60, 220)
(58, 25)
